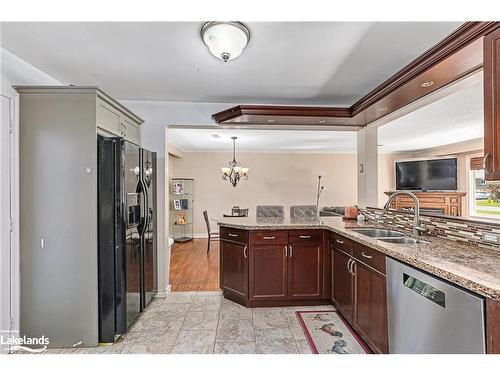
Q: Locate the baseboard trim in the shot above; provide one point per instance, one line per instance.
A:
(164, 293)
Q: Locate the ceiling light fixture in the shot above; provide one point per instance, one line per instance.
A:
(270, 120)
(234, 172)
(382, 109)
(427, 84)
(225, 40)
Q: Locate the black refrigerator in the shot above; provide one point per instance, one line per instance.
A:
(126, 234)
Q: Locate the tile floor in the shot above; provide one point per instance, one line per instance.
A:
(204, 322)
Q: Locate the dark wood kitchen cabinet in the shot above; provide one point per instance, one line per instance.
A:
(491, 72)
(342, 290)
(273, 267)
(234, 264)
(370, 314)
(268, 267)
(305, 267)
(359, 290)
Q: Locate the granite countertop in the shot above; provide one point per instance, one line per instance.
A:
(470, 266)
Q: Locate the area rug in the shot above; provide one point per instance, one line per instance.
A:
(327, 333)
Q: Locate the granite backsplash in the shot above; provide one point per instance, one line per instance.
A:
(446, 227)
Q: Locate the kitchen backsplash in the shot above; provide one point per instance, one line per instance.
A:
(457, 230)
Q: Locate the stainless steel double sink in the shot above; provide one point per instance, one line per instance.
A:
(387, 235)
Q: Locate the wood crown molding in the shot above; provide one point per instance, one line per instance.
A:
(275, 110)
(464, 35)
(460, 38)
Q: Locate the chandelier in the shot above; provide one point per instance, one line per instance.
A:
(234, 172)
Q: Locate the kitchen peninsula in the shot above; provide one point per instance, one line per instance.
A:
(284, 262)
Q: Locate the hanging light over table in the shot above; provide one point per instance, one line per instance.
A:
(234, 172)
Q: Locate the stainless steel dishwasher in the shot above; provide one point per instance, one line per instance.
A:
(429, 315)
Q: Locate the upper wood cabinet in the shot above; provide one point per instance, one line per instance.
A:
(491, 66)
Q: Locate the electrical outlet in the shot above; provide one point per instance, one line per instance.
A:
(490, 237)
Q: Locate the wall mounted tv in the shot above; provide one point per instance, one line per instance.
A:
(435, 174)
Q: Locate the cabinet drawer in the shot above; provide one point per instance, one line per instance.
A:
(341, 243)
(371, 257)
(269, 237)
(305, 236)
(232, 234)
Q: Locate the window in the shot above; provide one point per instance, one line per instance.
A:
(484, 196)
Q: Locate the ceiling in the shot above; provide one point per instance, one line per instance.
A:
(321, 63)
(455, 118)
(202, 140)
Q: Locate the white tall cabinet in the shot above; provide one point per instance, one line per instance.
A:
(58, 128)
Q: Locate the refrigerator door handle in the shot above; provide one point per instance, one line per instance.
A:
(146, 202)
(144, 206)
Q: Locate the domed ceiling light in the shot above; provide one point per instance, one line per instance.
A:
(225, 40)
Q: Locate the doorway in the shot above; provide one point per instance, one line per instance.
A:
(283, 166)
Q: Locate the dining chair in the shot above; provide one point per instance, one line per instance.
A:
(303, 211)
(212, 236)
(270, 211)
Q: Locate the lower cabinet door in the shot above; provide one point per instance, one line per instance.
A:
(234, 268)
(268, 272)
(305, 271)
(342, 283)
(370, 317)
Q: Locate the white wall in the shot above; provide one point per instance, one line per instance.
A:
(367, 152)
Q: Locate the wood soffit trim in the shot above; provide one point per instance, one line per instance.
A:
(460, 38)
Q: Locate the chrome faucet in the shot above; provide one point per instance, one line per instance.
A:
(417, 227)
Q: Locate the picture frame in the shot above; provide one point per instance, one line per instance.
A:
(178, 188)
(177, 204)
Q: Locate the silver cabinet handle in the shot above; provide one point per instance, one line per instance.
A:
(269, 237)
(366, 255)
(291, 251)
(305, 237)
(233, 235)
(349, 265)
(286, 251)
(339, 241)
(245, 252)
(353, 263)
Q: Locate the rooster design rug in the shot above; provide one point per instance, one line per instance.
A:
(327, 333)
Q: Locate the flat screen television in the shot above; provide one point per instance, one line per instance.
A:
(435, 174)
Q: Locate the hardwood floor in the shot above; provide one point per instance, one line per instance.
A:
(192, 269)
